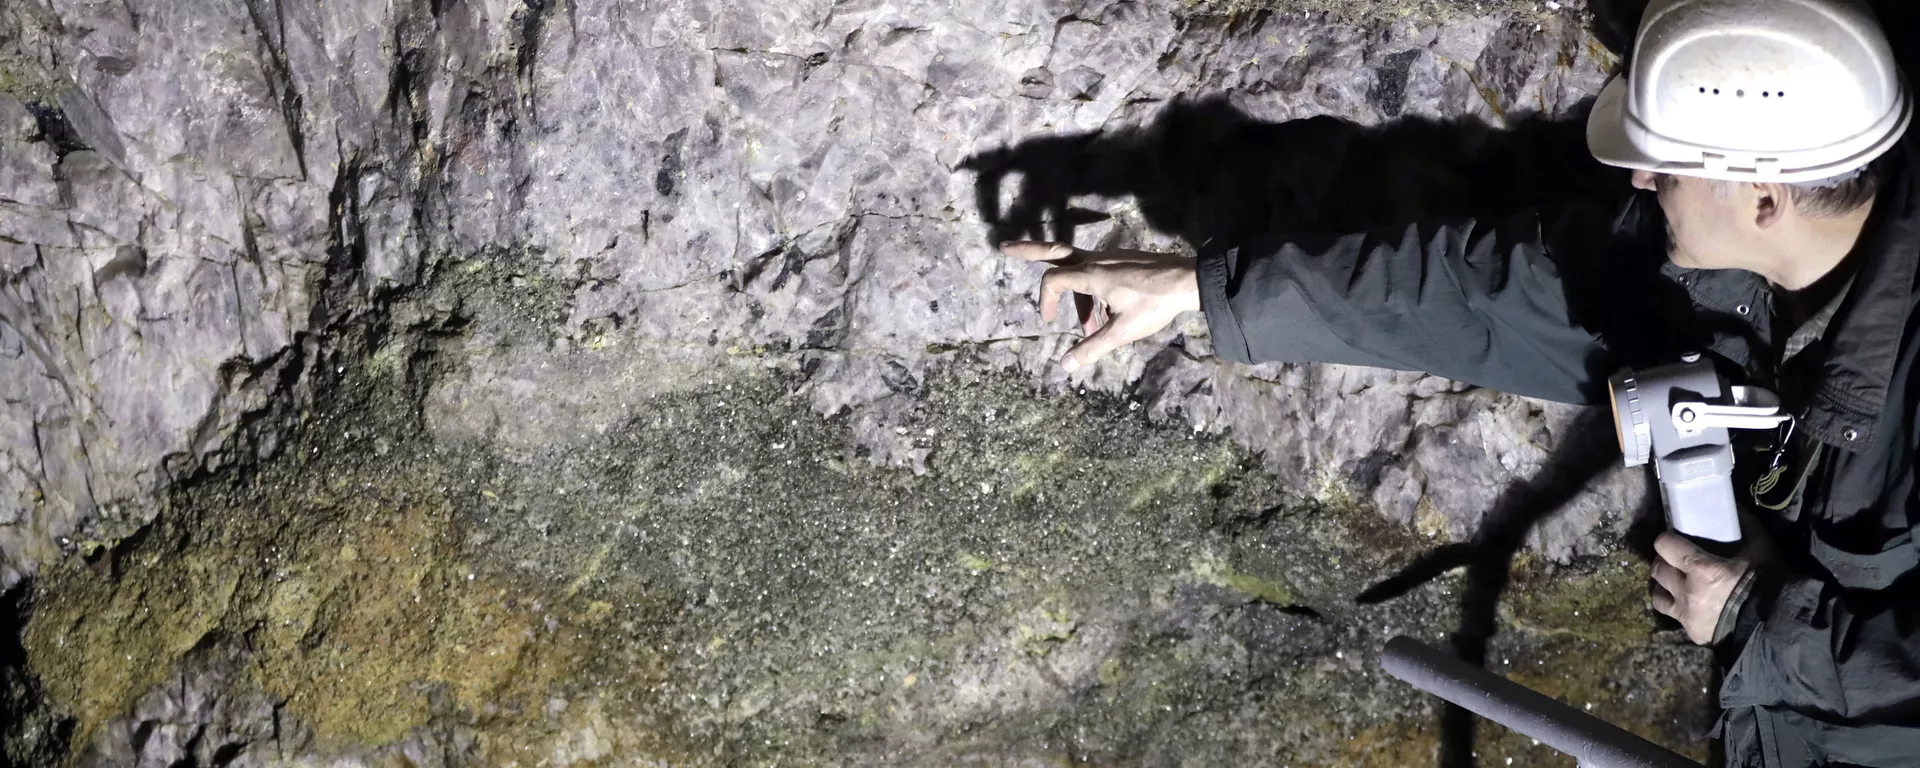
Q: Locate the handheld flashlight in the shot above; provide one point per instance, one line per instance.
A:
(1678, 417)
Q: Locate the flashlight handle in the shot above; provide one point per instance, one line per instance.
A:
(1721, 549)
(1696, 487)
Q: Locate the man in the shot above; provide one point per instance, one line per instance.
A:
(1778, 230)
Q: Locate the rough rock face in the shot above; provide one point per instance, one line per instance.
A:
(671, 329)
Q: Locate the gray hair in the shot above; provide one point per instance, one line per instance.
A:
(1832, 196)
(1829, 182)
(1840, 194)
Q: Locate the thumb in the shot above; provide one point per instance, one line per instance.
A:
(1678, 551)
(1094, 347)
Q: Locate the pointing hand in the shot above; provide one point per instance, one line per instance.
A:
(1141, 292)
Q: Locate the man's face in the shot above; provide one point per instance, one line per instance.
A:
(1708, 223)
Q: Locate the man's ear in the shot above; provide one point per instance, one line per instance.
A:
(1770, 203)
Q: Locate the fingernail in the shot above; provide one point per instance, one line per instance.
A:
(1070, 363)
(1005, 243)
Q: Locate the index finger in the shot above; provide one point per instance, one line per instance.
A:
(1034, 251)
(1677, 551)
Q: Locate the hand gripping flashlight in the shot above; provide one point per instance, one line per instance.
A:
(1677, 416)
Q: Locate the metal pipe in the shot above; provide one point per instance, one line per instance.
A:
(1595, 743)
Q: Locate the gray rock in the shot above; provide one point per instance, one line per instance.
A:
(723, 177)
(16, 123)
(197, 718)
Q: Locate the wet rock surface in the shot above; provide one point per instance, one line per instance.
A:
(507, 382)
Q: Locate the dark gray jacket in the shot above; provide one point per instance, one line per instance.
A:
(1826, 646)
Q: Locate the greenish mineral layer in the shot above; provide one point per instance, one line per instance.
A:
(724, 580)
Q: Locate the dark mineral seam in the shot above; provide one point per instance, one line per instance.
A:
(278, 74)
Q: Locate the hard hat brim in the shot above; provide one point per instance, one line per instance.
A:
(1611, 124)
(1607, 130)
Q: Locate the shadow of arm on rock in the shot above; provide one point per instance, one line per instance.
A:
(1208, 173)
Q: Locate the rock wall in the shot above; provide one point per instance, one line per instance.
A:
(191, 195)
(478, 249)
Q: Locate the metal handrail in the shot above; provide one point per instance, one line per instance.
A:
(1595, 743)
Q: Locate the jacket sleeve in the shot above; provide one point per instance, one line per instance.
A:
(1810, 646)
(1477, 301)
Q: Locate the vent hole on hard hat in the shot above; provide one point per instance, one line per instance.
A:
(1716, 91)
(1742, 93)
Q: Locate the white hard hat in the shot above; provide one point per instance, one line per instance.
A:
(1753, 90)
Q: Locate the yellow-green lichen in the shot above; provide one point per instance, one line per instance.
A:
(1043, 628)
(1212, 570)
(359, 605)
(1607, 604)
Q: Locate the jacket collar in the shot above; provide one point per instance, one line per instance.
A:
(1864, 339)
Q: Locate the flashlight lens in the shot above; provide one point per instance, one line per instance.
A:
(1619, 427)
(1630, 427)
